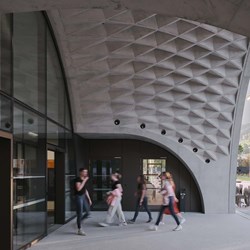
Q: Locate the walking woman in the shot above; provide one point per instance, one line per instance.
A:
(176, 209)
(169, 197)
(142, 199)
(115, 206)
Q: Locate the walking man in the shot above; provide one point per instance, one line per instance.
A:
(83, 201)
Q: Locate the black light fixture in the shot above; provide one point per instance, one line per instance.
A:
(180, 140)
(7, 125)
(195, 150)
(142, 126)
(117, 122)
(163, 132)
(207, 160)
(30, 121)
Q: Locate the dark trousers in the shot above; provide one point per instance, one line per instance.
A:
(171, 209)
(81, 205)
(145, 205)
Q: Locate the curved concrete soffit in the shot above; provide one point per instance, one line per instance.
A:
(236, 129)
(231, 15)
(192, 166)
(179, 78)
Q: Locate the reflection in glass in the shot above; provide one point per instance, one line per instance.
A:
(69, 200)
(29, 222)
(27, 125)
(27, 189)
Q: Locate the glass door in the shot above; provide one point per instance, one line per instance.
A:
(152, 168)
(51, 188)
(100, 173)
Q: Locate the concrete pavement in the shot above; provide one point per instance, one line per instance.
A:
(200, 232)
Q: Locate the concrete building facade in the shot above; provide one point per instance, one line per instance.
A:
(162, 83)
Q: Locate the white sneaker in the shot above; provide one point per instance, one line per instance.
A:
(182, 220)
(162, 223)
(102, 224)
(80, 232)
(178, 228)
(123, 223)
(153, 228)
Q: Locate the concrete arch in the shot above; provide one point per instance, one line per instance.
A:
(222, 164)
(219, 48)
(230, 15)
(161, 142)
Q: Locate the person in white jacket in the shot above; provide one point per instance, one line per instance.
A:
(168, 198)
(115, 206)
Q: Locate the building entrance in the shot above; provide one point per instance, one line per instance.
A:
(51, 188)
(152, 168)
(100, 173)
(5, 185)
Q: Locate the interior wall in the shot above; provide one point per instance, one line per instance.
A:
(131, 153)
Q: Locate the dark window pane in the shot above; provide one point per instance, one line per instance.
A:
(67, 115)
(69, 154)
(29, 223)
(6, 53)
(18, 123)
(5, 114)
(29, 59)
(69, 176)
(28, 189)
(55, 84)
(55, 134)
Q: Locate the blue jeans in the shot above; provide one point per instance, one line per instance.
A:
(171, 209)
(81, 204)
(145, 205)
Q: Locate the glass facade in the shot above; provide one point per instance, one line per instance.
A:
(69, 176)
(6, 53)
(29, 54)
(55, 94)
(34, 107)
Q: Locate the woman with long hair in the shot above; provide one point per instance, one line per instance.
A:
(176, 209)
(142, 199)
(169, 197)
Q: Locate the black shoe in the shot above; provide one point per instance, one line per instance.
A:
(149, 220)
(131, 221)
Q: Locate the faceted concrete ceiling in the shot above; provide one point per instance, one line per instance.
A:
(171, 74)
(232, 15)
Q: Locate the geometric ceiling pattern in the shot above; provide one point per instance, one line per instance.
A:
(168, 73)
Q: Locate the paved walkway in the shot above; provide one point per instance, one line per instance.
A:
(200, 232)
